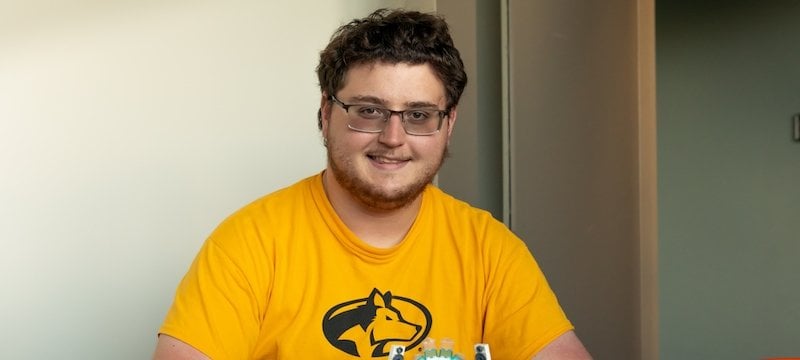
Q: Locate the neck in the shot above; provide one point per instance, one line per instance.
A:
(377, 227)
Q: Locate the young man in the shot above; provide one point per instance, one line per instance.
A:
(368, 254)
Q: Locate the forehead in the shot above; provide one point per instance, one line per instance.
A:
(400, 82)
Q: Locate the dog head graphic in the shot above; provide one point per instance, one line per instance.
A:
(366, 328)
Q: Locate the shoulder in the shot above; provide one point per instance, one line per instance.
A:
(470, 223)
(277, 202)
(442, 201)
(266, 216)
(296, 193)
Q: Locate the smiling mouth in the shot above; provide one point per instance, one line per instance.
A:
(386, 160)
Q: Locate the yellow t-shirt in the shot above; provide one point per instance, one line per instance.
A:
(284, 278)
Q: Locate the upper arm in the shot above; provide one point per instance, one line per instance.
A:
(217, 307)
(564, 347)
(170, 348)
(522, 314)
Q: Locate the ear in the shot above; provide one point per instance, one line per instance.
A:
(451, 121)
(324, 113)
(387, 299)
(376, 299)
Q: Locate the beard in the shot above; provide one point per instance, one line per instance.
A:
(373, 196)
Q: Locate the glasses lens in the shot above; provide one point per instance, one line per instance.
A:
(421, 121)
(367, 118)
(373, 119)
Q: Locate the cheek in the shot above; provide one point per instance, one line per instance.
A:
(344, 143)
(434, 148)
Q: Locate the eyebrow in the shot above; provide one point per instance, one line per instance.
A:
(361, 99)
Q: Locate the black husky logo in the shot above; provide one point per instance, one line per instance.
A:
(367, 327)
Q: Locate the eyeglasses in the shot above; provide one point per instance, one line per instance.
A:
(373, 119)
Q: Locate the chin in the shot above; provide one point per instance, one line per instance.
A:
(394, 194)
(379, 195)
(381, 190)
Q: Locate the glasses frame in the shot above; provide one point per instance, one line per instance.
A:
(388, 115)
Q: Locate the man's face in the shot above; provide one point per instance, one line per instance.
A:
(390, 169)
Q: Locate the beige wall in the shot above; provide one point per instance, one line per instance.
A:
(128, 130)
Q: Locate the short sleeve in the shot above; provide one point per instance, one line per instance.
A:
(217, 308)
(523, 314)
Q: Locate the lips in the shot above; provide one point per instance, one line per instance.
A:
(386, 160)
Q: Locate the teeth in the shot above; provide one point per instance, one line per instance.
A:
(384, 160)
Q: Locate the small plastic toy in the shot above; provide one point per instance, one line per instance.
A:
(431, 352)
(482, 352)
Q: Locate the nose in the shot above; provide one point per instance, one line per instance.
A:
(393, 135)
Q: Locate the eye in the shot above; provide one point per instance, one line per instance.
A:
(370, 112)
(417, 115)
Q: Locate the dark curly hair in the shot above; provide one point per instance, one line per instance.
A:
(393, 36)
